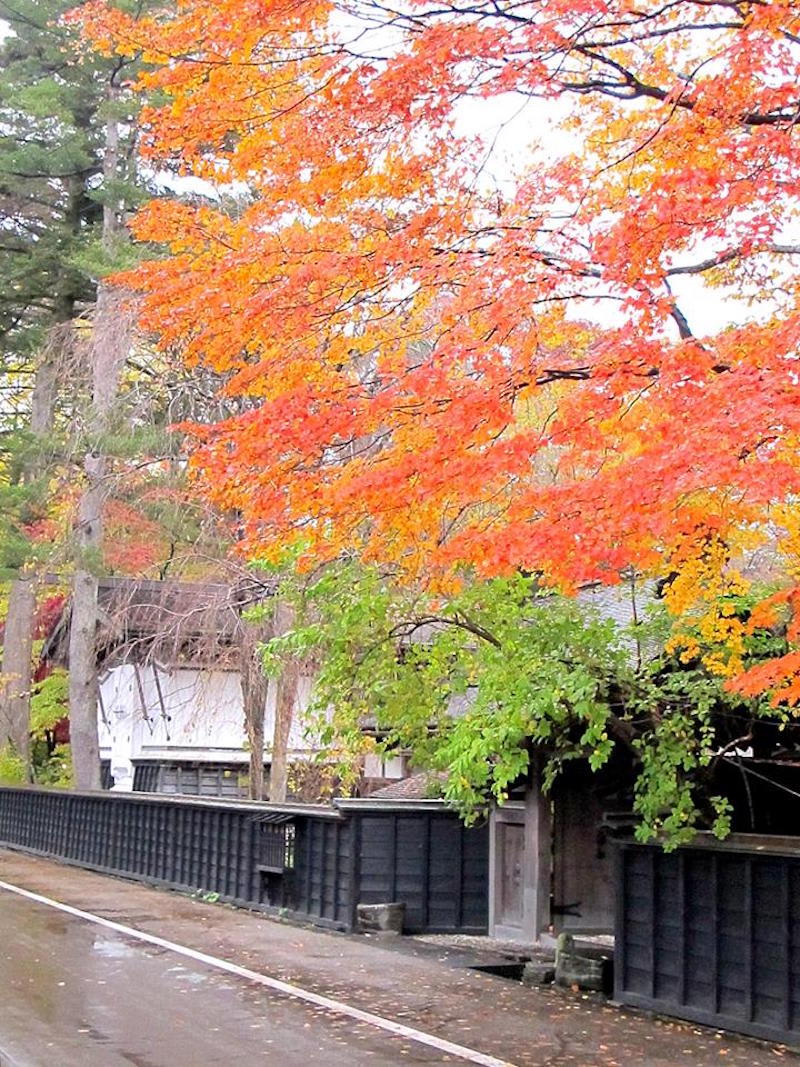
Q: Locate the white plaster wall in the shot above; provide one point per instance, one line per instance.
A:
(116, 724)
(297, 741)
(204, 721)
(204, 710)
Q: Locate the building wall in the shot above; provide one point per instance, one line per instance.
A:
(583, 867)
(198, 716)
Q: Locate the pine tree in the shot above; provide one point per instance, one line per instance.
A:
(56, 186)
(50, 171)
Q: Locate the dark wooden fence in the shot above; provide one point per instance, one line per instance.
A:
(712, 934)
(429, 860)
(316, 863)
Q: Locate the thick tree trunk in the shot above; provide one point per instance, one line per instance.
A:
(43, 395)
(285, 700)
(284, 715)
(83, 687)
(15, 691)
(254, 719)
(110, 343)
(16, 669)
(254, 695)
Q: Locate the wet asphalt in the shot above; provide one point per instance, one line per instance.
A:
(75, 994)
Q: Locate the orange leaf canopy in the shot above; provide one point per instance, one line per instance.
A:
(439, 372)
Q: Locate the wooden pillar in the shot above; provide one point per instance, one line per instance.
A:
(538, 859)
(520, 864)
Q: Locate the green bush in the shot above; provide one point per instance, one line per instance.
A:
(12, 767)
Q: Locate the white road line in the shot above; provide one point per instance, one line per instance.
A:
(7, 1060)
(471, 1055)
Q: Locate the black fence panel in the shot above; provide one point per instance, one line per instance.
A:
(429, 860)
(711, 934)
(323, 872)
(244, 853)
(313, 865)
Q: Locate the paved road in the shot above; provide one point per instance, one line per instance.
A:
(75, 994)
(123, 1002)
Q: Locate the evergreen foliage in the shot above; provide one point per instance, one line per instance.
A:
(54, 103)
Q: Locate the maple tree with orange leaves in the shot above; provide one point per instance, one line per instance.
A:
(401, 325)
(455, 378)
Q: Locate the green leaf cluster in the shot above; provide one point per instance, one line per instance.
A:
(55, 768)
(49, 702)
(476, 684)
(12, 767)
(471, 685)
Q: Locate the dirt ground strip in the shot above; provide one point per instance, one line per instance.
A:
(423, 989)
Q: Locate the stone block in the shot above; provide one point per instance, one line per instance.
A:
(538, 972)
(380, 918)
(586, 968)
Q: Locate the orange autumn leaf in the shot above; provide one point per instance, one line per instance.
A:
(419, 368)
